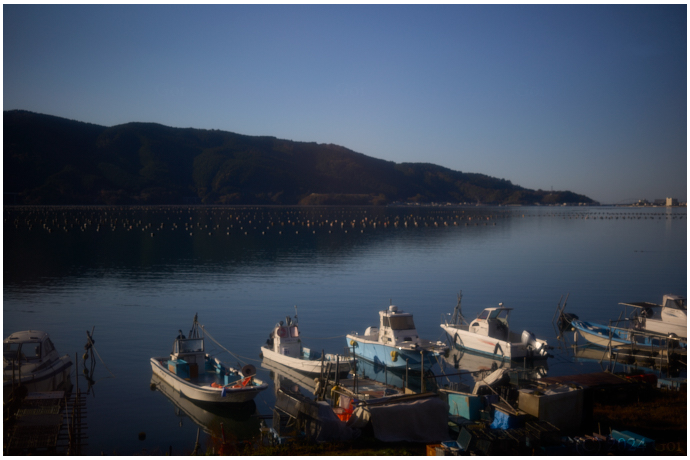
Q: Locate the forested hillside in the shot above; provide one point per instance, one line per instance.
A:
(52, 160)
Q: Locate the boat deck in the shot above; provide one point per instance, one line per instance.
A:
(205, 377)
(364, 388)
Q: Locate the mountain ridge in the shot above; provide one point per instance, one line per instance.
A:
(54, 160)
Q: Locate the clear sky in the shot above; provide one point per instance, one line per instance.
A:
(586, 98)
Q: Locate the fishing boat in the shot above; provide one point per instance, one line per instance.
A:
(284, 346)
(395, 343)
(30, 359)
(489, 333)
(671, 317)
(190, 371)
(622, 337)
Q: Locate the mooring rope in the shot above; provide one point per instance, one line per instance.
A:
(101, 359)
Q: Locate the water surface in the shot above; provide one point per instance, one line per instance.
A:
(139, 274)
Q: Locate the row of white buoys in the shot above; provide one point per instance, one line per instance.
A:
(228, 221)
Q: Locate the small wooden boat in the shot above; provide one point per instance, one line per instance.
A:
(396, 343)
(489, 333)
(30, 359)
(199, 377)
(284, 346)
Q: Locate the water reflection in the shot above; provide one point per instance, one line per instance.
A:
(622, 361)
(237, 423)
(472, 368)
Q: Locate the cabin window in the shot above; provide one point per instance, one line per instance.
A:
(402, 323)
(191, 345)
(483, 315)
(677, 304)
(29, 350)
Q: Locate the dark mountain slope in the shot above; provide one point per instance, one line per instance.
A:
(51, 160)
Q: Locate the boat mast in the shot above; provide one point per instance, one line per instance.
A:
(457, 317)
(194, 332)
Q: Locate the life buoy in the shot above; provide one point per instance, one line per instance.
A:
(394, 355)
(282, 332)
(353, 343)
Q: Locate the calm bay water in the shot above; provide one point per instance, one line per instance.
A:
(139, 274)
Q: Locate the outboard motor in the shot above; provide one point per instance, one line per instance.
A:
(529, 340)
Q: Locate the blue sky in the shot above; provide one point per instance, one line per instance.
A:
(586, 98)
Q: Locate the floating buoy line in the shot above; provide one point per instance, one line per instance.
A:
(261, 221)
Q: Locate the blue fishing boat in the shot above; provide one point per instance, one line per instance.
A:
(395, 343)
(619, 337)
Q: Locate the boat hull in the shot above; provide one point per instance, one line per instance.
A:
(306, 366)
(391, 357)
(497, 349)
(204, 393)
(49, 378)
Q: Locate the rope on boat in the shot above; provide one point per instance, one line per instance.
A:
(221, 346)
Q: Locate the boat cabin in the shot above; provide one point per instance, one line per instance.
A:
(492, 322)
(396, 328)
(28, 347)
(674, 310)
(285, 340)
(187, 356)
(674, 302)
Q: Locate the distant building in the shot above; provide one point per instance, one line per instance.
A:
(671, 202)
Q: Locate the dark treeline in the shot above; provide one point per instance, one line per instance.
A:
(52, 160)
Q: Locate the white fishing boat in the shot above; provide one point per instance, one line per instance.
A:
(395, 343)
(671, 317)
(284, 346)
(30, 359)
(489, 333)
(190, 371)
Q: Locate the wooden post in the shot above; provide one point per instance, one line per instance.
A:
(423, 386)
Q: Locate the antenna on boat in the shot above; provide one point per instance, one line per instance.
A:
(296, 314)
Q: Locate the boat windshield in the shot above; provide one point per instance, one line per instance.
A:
(678, 304)
(401, 323)
(191, 345)
(29, 350)
(499, 314)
